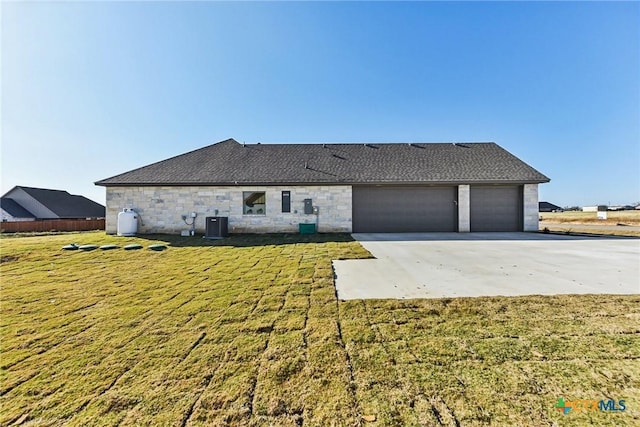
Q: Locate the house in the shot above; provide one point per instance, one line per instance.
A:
(548, 207)
(342, 187)
(597, 208)
(10, 210)
(29, 204)
(621, 208)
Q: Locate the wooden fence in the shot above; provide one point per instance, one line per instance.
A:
(52, 225)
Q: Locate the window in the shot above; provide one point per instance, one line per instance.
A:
(286, 201)
(254, 203)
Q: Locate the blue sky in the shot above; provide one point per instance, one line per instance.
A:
(90, 90)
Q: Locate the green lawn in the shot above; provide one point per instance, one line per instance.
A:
(248, 331)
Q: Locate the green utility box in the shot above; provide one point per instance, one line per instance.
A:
(307, 228)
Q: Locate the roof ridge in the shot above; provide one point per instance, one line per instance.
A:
(363, 143)
(230, 162)
(24, 187)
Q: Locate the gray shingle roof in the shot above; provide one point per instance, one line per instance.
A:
(14, 208)
(66, 205)
(229, 162)
(547, 207)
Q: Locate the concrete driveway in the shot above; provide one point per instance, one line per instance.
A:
(437, 265)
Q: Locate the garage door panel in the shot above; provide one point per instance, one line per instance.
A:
(496, 208)
(396, 209)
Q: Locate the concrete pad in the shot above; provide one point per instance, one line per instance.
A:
(438, 265)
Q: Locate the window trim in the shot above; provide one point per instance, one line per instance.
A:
(245, 207)
(286, 205)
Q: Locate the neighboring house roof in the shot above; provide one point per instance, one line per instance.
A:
(63, 204)
(14, 208)
(546, 206)
(229, 162)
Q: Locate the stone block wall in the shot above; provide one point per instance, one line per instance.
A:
(464, 208)
(530, 207)
(161, 207)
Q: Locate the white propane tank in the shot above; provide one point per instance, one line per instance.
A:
(127, 223)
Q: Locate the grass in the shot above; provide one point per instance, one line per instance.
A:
(577, 217)
(592, 231)
(570, 222)
(248, 331)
